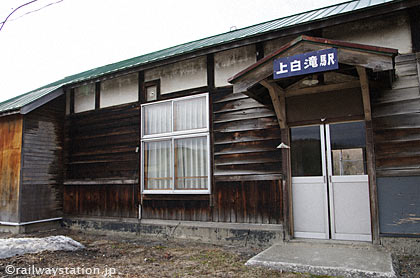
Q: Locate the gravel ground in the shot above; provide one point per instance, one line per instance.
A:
(122, 255)
(408, 266)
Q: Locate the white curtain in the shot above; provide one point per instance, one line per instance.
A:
(157, 118)
(157, 165)
(190, 154)
(190, 114)
(191, 168)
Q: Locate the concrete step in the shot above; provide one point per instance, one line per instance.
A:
(346, 259)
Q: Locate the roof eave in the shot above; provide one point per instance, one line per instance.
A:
(287, 31)
(27, 108)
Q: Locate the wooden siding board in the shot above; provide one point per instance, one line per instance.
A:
(245, 135)
(102, 145)
(247, 162)
(99, 200)
(10, 167)
(396, 123)
(42, 172)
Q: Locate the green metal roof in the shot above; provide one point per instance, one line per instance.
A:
(236, 35)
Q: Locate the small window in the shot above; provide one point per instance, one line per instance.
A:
(175, 141)
(84, 98)
(152, 90)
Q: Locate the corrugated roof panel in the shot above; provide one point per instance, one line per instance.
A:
(20, 101)
(277, 24)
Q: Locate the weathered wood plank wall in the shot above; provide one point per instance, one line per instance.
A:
(247, 164)
(109, 200)
(246, 134)
(42, 167)
(396, 127)
(396, 122)
(246, 173)
(101, 162)
(100, 147)
(10, 165)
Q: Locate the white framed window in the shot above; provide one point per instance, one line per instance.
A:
(175, 140)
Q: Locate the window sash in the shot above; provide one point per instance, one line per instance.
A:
(172, 131)
(174, 176)
(173, 136)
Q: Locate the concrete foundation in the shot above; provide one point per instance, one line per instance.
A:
(258, 235)
(30, 228)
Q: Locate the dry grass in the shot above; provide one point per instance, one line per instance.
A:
(132, 256)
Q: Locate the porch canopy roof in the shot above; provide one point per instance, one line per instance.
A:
(359, 55)
(358, 63)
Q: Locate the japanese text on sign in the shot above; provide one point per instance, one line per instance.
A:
(311, 62)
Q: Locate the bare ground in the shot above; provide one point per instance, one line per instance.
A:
(133, 256)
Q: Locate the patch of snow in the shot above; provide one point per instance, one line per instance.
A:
(18, 246)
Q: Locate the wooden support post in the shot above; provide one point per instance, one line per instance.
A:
(418, 66)
(287, 186)
(370, 155)
(364, 83)
(373, 192)
(278, 97)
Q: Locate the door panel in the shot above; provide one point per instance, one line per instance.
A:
(348, 182)
(309, 188)
(310, 211)
(329, 185)
(351, 208)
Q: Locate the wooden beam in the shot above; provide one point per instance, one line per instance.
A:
(322, 88)
(279, 102)
(141, 96)
(210, 72)
(259, 47)
(414, 15)
(72, 101)
(364, 83)
(97, 95)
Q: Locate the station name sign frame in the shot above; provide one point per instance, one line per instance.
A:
(306, 63)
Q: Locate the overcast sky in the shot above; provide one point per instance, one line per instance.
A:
(39, 47)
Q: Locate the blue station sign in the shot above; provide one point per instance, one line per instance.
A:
(310, 62)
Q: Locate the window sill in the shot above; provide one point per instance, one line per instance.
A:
(176, 192)
(101, 181)
(177, 197)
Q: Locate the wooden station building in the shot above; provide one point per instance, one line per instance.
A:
(309, 122)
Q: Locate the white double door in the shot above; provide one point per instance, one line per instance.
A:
(329, 182)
